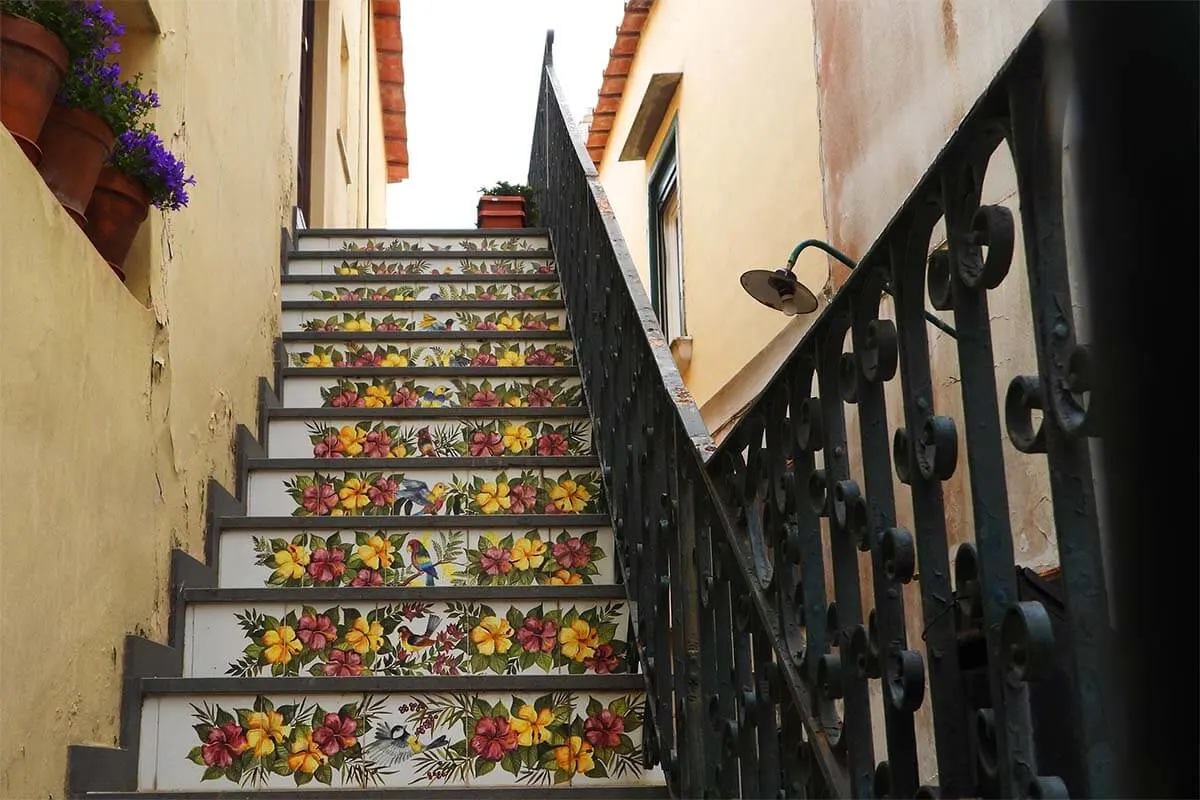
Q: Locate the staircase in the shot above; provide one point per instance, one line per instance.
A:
(413, 589)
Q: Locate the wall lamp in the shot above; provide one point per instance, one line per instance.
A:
(779, 289)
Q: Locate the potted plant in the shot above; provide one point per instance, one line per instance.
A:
(37, 42)
(140, 173)
(507, 205)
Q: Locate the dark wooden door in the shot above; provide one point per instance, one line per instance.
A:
(304, 156)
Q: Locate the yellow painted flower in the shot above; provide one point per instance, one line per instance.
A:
(569, 496)
(511, 358)
(531, 725)
(290, 563)
(492, 635)
(377, 397)
(574, 756)
(394, 360)
(264, 730)
(358, 325)
(578, 640)
(377, 553)
(513, 400)
(492, 497)
(399, 451)
(528, 553)
(281, 644)
(318, 360)
(507, 323)
(565, 577)
(306, 755)
(354, 494)
(364, 636)
(517, 437)
(352, 439)
(554, 326)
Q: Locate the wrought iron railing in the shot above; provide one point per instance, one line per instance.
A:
(759, 687)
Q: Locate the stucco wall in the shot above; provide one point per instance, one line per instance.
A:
(116, 406)
(749, 177)
(350, 178)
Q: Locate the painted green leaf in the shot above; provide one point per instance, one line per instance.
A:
(212, 773)
(483, 767)
(324, 774)
(302, 778)
(223, 716)
(196, 755)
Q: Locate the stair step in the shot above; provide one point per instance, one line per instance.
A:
(377, 487)
(355, 318)
(494, 265)
(464, 240)
(365, 352)
(424, 288)
(251, 552)
(418, 632)
(432, 387)
(647, 791)
(575, 731)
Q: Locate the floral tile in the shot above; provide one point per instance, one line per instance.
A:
(552, 558)
(425, 492)
(605, 740)
(215, 636)
(472, 243)
(350, 439)
(359, 265)
(517, 392)
(440, 354)
(450, 320)
(383, 291)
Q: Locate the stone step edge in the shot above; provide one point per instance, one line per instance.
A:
(423, 255)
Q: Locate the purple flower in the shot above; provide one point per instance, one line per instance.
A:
(140, 155)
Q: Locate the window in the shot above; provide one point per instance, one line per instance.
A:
(666, 242)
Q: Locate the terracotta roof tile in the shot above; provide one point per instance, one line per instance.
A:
(620, 61)
(389, 51)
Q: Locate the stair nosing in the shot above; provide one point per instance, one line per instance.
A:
(302, 684)
(571, 371)
(400, 233)
(603, 791)
(401, 521)
(534, 277)
(441, 412)
(421, 255)
(422, 305)
(408, 464)
(213, 595)
(426, 336)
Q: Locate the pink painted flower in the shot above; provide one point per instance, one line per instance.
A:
(327, 565)
(496, 561)
(368, 577)
(602, 662)
(317, 632)
(522, 296)
(225, 743)
(486, 296)
(377, 445)
(550, 508)
(319, 500)
(572, 553)
(486, 325)
(347, 399)
(445, 664)
(545, 269)
(522, 496)
(483, 360)
(365, 358)
(552, 444)
(537, 635)
(329, 447)
(348, 296)
(343, 664)
(535, 325)
(336, 734)
(603, 729)
(383, 492)
(405, 398)
(486, 443)
(540, 397)
(486, 399)
(493, 738)
(540, 358)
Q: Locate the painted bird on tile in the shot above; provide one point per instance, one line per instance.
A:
(419, 493)
(434, 398)
(416, 642)
(396, 745)
(430, 323)
(419, 558)
(425, 443)
(459, 360)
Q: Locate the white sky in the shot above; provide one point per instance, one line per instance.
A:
(471, 72)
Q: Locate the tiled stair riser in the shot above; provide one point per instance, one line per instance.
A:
(468, 242)
(424, 491)
(323, 559)
(350, 438)
(447, 319)
(489, 351)
(411, 289)
(412, 638)
(525, 389)
(430, 740)
(494, 265)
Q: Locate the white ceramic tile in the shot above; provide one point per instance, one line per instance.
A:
(507, 637)
(500, 287)
(375, 265)
(606, 731)
(320, 321)
(237, 565)
(148, 744)
(387, 243)
(368, 353)
(420, 720)
(216, 641)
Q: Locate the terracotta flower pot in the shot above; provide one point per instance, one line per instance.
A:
(501, 211)
(116, 212)
(32, 64)
(74, 145)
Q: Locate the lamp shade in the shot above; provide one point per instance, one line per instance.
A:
(779, 290)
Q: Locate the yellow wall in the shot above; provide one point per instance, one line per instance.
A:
(116, 406)
(350, 177)
(749, 178)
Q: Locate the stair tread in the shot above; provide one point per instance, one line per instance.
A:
(405, 464)
(427, 255)
(420, 233)
(316, 594)
(470, 521)
(647, 791)
(440, 412)
(393, 336)
(534, 277)
(410, 372)
(306, 684)
(420, 305)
